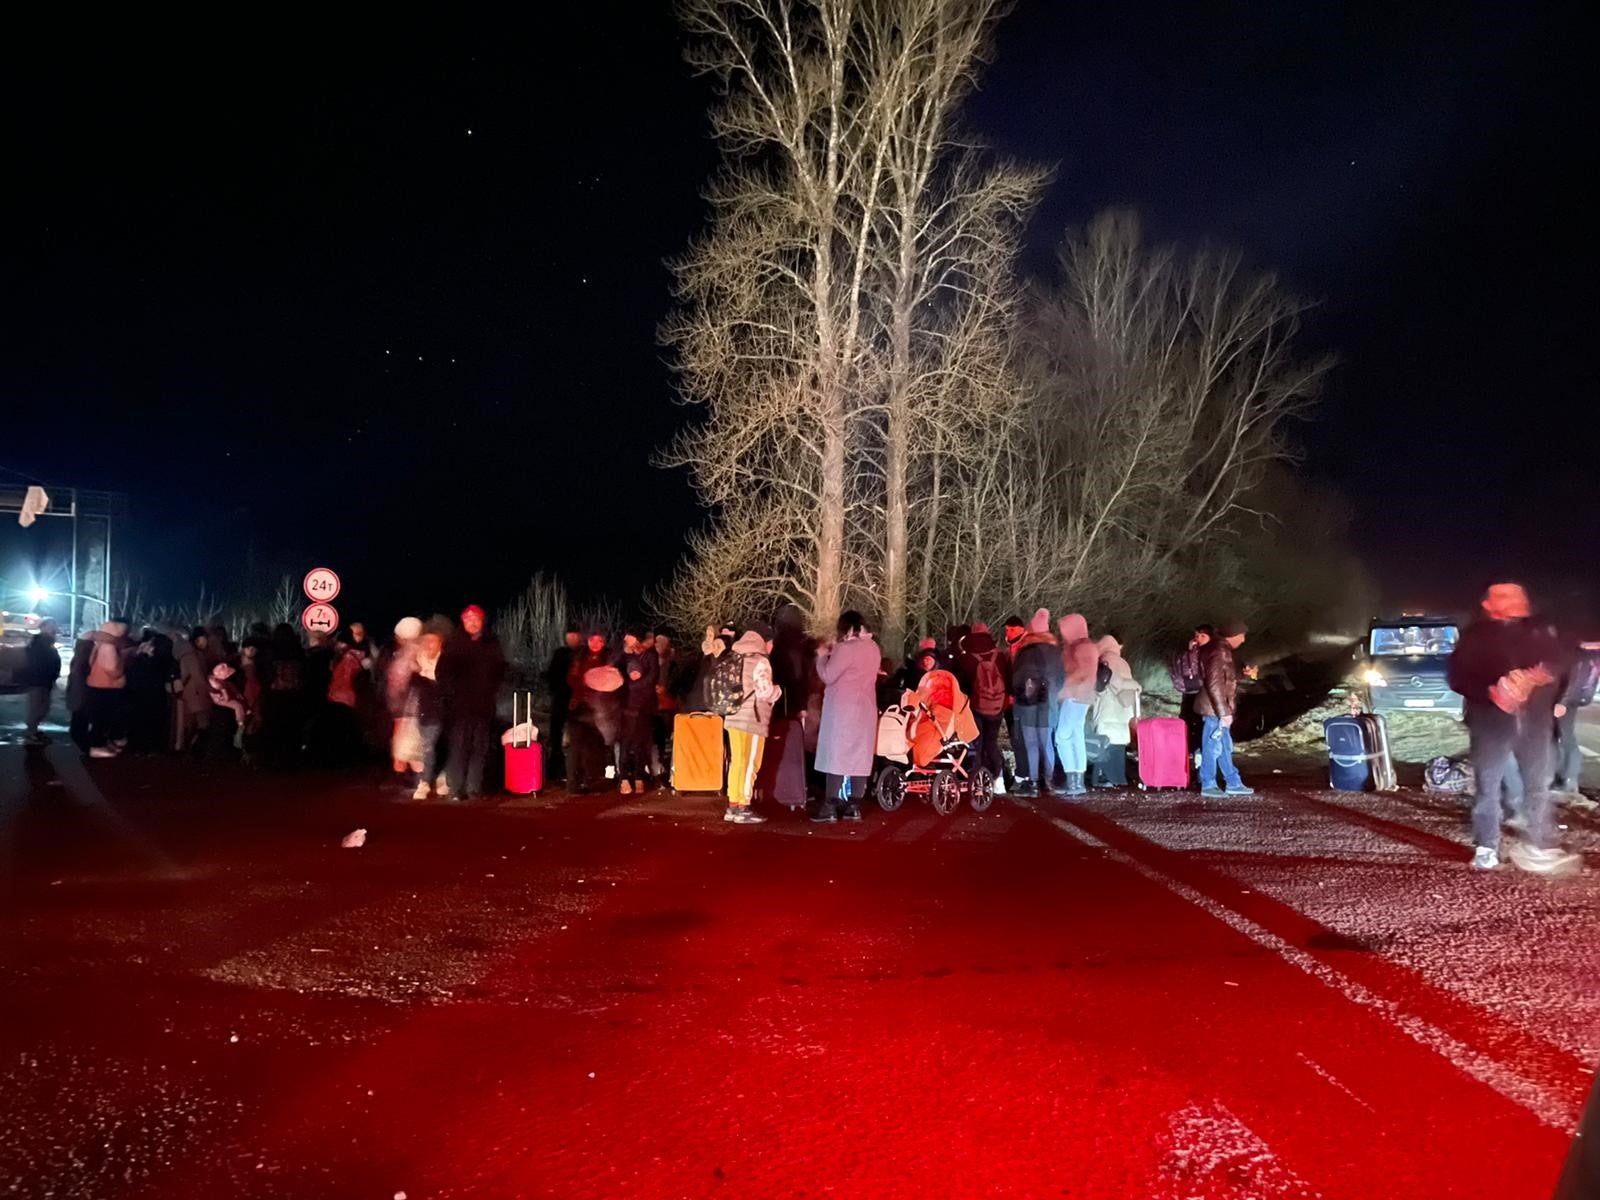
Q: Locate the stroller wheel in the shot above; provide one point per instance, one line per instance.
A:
(982, 789)
(891, 788)
(944, 793)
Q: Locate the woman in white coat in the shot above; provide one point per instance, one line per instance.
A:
(1112, 717)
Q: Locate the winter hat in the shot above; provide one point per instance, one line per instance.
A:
(1073, 628)
(472, 610)
(222, 671)
(927, 643)
(761, 629)
(1233, 629)
(407, 629)
(1013, 622)
(979, 627)
(1040, 622)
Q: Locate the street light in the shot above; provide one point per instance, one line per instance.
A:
(37, 596)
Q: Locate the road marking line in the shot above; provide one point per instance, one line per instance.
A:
(1555, 1111)
(1331, 1079)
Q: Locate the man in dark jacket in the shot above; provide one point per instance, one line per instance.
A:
(1217, 704)
(557, 678)
(471, 670)
(1507, 668)
(43, 669)
(641, 669)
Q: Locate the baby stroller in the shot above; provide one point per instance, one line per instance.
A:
(932, 756)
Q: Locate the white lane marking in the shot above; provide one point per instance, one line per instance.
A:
(1556, 1111)
(1332, 1080)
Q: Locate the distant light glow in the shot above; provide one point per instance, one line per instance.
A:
(37, 596)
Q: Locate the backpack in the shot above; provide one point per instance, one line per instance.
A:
(988, 688)
(1448, 776)
(725, 688)
(1187, 678)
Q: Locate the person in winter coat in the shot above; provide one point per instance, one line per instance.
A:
(918, 663)
(1080, 665)
(596, 716)
(150, 668)
(1188, 679)
(1217, 705)
(557, 678)
(193, 691)
(43, 669)
(1576, 692)
(847, 738)
(641, 670)
(1036, 678)
(1112, 716)
(1507, 667)
(471, 670)
(984, 673)
(712, 647)
(104, 691)
(794, 655)
(423, 711)
(748, 724)
(1014, 629)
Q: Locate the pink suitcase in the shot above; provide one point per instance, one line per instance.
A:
(524, 756)
(1163, 752)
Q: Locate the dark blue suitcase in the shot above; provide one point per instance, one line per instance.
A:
(1349, 767)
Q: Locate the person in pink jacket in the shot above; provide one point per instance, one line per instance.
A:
(1080, 662)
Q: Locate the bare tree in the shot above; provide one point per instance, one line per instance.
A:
(847, 315)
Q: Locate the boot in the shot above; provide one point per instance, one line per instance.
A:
(1074, 784)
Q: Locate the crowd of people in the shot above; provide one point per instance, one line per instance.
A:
(1066, 703)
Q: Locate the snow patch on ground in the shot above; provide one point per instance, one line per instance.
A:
(1208, 1153)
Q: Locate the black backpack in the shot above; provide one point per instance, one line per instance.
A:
(725, 689)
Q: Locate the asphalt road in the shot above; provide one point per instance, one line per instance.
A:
(1297, 995)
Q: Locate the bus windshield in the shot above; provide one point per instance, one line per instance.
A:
(1394, 640)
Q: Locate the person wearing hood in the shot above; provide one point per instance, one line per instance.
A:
(43, 669)
(104, 691)
(471, 670)
(1036, 678)
(1080, 665)
(192, 702)
(918, 663)
(748, 724)
(984, 672)
(847, 739)
(1113, 714)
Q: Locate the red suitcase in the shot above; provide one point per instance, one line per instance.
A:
(524, 757)
(1163, 752)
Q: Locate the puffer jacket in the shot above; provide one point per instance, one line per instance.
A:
(1036, 658)
(1115, 708)
(1219, 692)
(761, 693)
(1080, 660)
(106, 667)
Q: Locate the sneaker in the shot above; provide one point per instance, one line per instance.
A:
(102, 752)
(422, 792)
(1239, 789)
(999, 787)
(1213, 793)
(743, 814)
(627, 787)
(1544, 862)
(441, 789)
(1484, 859)
(638, 787)
(849, 811)
(821, 814)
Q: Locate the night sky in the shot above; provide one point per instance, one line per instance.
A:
(386, 297)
